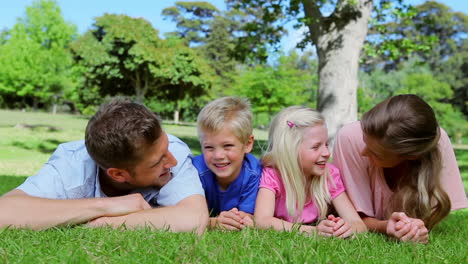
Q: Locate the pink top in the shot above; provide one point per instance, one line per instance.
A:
(271, 180)
(365, 183)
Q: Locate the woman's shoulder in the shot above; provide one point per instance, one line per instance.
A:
(351, 130)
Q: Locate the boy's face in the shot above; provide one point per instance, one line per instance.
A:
(224, 154)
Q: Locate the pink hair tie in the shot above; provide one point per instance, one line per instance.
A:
(290, 124)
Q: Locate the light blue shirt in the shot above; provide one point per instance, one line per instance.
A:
(71, 173)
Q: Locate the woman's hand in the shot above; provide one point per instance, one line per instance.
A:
(405, 228)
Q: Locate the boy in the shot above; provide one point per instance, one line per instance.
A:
(229, 173)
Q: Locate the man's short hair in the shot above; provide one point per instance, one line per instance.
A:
(232, 111)
(120, 132)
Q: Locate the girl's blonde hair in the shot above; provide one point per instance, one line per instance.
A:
(407, 125)
(284, 139)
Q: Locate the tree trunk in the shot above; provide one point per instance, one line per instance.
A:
(338, 49)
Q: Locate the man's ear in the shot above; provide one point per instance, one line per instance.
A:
(118, 175)
(249, 144)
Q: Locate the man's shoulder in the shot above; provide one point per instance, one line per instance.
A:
(73, 150)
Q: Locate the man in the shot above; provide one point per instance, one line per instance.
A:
(126, 171)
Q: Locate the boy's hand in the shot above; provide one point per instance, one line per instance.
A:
(246, 218)
(229, 220)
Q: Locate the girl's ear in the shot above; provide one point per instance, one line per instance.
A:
(118, 175)
(249, 145)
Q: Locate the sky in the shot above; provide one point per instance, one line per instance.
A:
(82, 12)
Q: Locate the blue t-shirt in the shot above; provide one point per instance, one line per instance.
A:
(241, 193)
(71, 173)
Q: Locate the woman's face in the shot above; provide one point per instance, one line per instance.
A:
(379, 155)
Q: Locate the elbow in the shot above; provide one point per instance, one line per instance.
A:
(197, 217)
(262, 222)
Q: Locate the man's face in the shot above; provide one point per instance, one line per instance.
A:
(154, 169)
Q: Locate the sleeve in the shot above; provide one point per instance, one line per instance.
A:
(354, 167)
(450, 177)
(47, 183)
(335, 186)
(269, 180)
(249, 193)
(185, 181)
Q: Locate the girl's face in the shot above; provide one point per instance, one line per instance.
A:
(378, 155)
(313, 151)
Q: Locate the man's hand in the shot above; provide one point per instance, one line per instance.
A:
(127, 204)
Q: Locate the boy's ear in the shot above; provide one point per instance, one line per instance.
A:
(118, 175)
(249, 144)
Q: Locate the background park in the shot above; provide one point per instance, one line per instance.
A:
(54, 75)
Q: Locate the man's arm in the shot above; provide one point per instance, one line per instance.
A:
(187, 215)
(18, 209)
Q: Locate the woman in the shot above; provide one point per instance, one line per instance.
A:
(399, 168)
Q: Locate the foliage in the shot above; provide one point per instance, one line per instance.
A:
(35, 64)
(271, 88)
(124, 55)
(415, 78)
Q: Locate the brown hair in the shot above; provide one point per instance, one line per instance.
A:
(119, 133)
(407, 125)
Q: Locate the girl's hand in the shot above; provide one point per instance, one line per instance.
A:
(325, 228)
(341, 228)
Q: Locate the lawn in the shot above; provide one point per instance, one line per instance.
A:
(24, 150)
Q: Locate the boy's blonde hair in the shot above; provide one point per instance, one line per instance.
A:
(284, 139)
(232, 111)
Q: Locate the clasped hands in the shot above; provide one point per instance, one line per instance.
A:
(233, 220)
(334, 226)
(405, 228)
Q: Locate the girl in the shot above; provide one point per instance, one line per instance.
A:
(297, 183)
(399, 168)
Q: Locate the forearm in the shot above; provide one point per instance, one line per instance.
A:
(375, 225)
(280, 225)
(184, 217)
(24, 211)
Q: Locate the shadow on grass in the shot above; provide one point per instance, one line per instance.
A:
(45, 146)
(194, 145)
(8, 183)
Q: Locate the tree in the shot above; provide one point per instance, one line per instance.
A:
(210, 31)
(271, 88)
(124, 55)
(34, 61)
(337, 36)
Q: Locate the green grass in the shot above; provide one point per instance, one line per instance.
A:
(82, 245)
(23, 151)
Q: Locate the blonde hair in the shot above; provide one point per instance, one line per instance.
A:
(284, 139)
(407, 125)
(231, 111)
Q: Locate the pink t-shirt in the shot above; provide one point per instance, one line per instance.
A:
(271, 180)
(365, 184)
